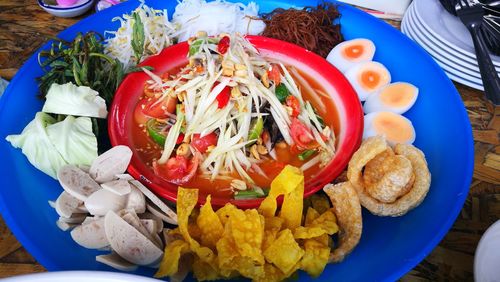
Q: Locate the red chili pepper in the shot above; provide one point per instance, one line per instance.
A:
(293, 103)
(180, 139)
(223, 97)
(223, 45)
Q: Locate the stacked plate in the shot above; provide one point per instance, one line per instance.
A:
(446, 39)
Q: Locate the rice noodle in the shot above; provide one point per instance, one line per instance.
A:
(194, 15)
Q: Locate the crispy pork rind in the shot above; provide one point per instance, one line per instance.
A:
(347, 209)
(389, 183)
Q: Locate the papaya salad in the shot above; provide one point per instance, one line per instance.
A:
(231, 119)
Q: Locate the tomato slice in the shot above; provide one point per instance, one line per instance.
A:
(301, 134)
(202, 143)
(160, 109)
(293, 103)
(274, 74)
(178, 170)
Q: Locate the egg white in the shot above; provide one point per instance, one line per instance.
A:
(375, 104)
(369, 128)
(342, 63)
(354, 72)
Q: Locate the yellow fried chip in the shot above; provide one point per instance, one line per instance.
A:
(204, 271)
(326, 221)
(230, 258)
(315, 257)
(284, 252)
(320, 202)
(209, 224)
(291, 210)
(311, 215)
(186, 201)
(271, 274)
(285, 182)
(224, 212)
(170, 262)
(271, 228)
(302, 232)
(248, 231)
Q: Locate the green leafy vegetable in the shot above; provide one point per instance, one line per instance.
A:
(69, 99)
(281, 93)
(306, 154)
(49, 145)
(83, 62)
(137, 36)
(74, 140)
(36, 145)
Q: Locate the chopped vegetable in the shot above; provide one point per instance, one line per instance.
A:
(282, 93)
(294, 104)
(256, 129)
(223, 97)
(223, 45)
(156, 131)
(202, 144)
(250, 194)
(178, 169)
(306, 154)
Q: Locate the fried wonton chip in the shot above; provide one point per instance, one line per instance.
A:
(186, 201)
(204, 271)
(272, 227)
(291, 210)
(326, 221)
(225, 212)
(302, 232)
(315, 257)
(320, 202)
(209, 224)
(311, 215)
(284, 252)
(248, 260)
(170, 262)
(271, 274)
(285, 182)
(248, 232)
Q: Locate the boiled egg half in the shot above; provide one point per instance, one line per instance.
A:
(348, 53)
(394, 127)
(396, 97)
(367, 78)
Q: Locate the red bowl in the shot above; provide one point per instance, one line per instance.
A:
(348, 107)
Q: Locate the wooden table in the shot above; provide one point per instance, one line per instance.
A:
(24, 26)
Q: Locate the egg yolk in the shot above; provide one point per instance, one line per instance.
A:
(354, 51)
(393, 126)
(397, 95)
(370, 79)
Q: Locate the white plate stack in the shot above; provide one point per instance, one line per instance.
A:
(446, 39)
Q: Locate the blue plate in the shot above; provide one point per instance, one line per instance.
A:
(389, 247)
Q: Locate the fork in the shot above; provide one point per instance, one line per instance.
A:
(471, 14)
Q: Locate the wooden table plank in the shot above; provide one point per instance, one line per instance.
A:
(24, 27)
